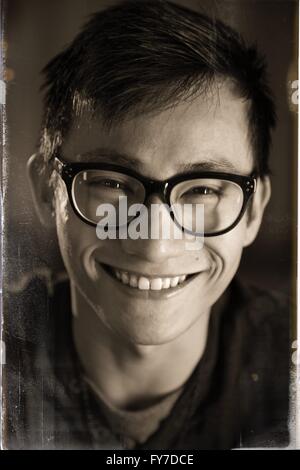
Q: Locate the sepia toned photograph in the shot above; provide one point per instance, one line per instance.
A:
(149, 225)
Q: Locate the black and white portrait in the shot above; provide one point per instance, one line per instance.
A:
(149, 224)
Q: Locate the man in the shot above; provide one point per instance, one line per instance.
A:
(152, 343)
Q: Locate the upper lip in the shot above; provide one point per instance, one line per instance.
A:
(152, 274)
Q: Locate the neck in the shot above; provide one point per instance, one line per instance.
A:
(130, 375)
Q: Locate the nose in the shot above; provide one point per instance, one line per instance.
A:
(160, 244)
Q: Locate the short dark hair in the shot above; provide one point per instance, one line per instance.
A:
(143, 56)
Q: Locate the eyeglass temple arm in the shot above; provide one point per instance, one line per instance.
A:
(58, 165)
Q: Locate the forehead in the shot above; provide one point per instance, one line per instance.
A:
(210, 132)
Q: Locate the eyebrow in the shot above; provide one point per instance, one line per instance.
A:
(110, 156)
(219, 163)
(222, 164)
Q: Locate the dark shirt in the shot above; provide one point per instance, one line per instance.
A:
(237, 396)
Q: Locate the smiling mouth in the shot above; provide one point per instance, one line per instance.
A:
(144, 283)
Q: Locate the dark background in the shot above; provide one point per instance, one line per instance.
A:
(37, 30)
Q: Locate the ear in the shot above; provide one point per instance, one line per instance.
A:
(256, 209)
(40, 189)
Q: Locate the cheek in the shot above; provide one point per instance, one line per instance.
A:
(74, 236)
(227, 249)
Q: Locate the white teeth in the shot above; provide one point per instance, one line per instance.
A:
(125, 278)
(174, 281)
(166, 283)
(156, 284)
(144, 283)
(133, 280)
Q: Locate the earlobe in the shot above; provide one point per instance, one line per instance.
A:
(256, 209)
(40, 189)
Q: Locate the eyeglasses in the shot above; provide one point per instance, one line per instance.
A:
(223, 196)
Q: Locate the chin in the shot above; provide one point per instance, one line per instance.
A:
(147, 326)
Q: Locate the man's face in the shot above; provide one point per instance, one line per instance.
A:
(209, 132)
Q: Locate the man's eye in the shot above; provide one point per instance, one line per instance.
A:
(205, 191)
(108, 183)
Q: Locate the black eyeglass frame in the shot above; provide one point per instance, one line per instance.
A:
(68, 171)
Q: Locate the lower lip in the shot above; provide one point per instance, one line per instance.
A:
(147, 294)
